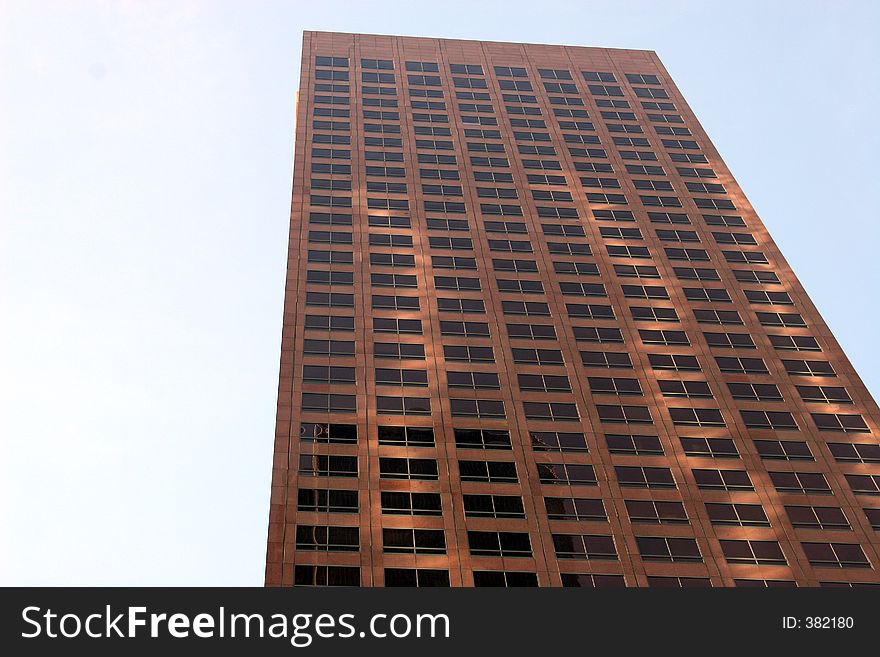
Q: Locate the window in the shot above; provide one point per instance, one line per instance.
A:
(696, 274)
(608, 359)
(531, 331)
(729, 480)
(473, 380)
(584, 546)
(420, 577)
(850, 423)
(537, 356)
(510, 71)
(501, 578)
(401, 377)
(576, 268)
(493, 506)
(390, 325)
(741, 365)
(614, 385)
(332, 257)
(461, 306)
(626, 414)
(636, 445)
(558, 441)
(488, 408)
(656, 512)
(803, 483)
(794, 342)
(636, 271)
(709, 294)
(689, 389)
(327, 500)
(644, 292)
(501, 264)
(332, 403)
(406, 436)
(776, 420)
(403, 468)
(625, 251)
(497, 472)
(755, 391)
(393, 280)
(575, 508)
(413, 541)
(665, 337)
(709, 447)
(589, 310)
(328, 433)
(644, 477)
(383, 64)
(482, 438)
(657, 581)
(693, 255)
(499, 544)
(326, 576)
(320, 465)
(597, 334)
(809, 367)
(855, 452)
(653, 314)
(469, 354)
(817, 517)
(566, 473)
(411, 504)
(322, 538)
(587, 580)
(520, 286)
(398, 350)
(393, 259)
(737, 238)
(667, 548)
(403, 405)
(836, 555)
(329, 299)
(583, 289)
(742, 515)
(786, 450)
(328, 374)
(719, 220)
(729, 340)
(677, 362)
(765, 297)
(864, 484)
(594, 76)
(453, 262)
(761, 553)
(395, 302)
(329, 237)
(513, 246)
(397, 241)
(556, 411)
(642, 78)
(745, 257)
(465, 329)
(544, 383)
(509, 227)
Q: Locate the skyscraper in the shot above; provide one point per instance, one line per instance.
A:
(535, 335)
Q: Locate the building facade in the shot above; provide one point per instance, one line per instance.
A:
(535, 335)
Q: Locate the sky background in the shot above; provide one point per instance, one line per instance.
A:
(145, 170)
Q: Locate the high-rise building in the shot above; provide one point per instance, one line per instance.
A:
(535, 335)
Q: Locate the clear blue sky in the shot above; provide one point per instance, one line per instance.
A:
(145, 166)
